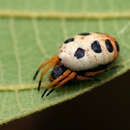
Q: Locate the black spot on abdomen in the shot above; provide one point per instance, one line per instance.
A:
(109, 45)
(69, 40)
(58, 71)
(96, 47)
(117, 46)
(79, 53)
(84, 34)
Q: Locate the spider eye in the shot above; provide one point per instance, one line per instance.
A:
(60, 59)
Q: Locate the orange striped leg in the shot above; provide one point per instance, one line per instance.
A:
(101, 71)
(45, 63)
(78, 77)
(54, 82)
(65, 74)
(53, 62)
(70, 77)
(94, 73)
(43, 73)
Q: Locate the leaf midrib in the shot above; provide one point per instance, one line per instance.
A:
(64, 15)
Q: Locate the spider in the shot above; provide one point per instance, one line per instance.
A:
(80, 57)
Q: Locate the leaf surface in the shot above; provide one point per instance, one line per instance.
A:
(27, 41)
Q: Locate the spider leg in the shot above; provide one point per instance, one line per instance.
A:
(41, 66)
(100, 71)
(47, 62)
(43, 73)
(70, 77)
(45, 91)
(111, 67)
(104, 69)
(94, 73)
(79, 77)
(53, 62)
(65, 74)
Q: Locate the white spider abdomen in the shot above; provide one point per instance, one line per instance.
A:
(84, 52)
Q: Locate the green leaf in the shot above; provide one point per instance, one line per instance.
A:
(32, 31)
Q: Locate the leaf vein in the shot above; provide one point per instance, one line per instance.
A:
(38, 40)
(61, 15)
(13, 34)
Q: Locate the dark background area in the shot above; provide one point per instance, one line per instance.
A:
(105, 108)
